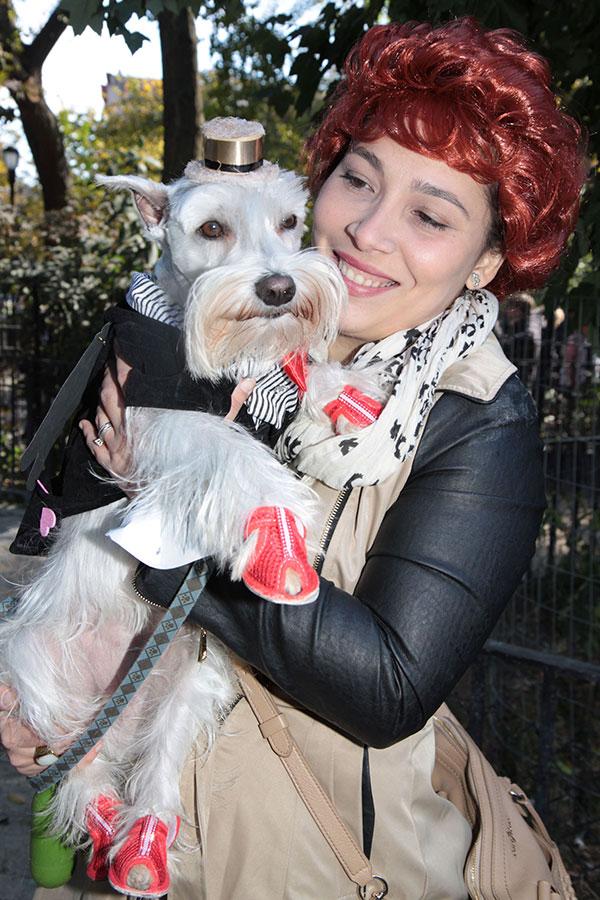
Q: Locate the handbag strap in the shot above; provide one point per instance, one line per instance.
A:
(274, 728)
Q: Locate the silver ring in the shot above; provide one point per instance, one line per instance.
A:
(104, 428)
(98, 442)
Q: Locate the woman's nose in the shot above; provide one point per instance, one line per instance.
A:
(372, 231)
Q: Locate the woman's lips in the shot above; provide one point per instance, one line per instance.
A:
(361, 280)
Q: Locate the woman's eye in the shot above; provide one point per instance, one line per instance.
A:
(354, 181)
(431, 223)
(289, 223)
(211, 230)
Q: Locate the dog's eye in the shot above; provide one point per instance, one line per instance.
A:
(211, 230)
(289, 223)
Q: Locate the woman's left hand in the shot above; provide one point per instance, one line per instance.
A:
(106, 436)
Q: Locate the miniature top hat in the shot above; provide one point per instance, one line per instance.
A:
(233, 145)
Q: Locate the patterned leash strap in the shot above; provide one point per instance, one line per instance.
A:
(174, 617)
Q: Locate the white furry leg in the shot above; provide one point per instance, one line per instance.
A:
(182, 699)
(202, 478)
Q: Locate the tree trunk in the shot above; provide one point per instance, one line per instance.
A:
(182, 95)
(45, 141)
(23, 65)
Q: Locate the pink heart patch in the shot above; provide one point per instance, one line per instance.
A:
(47, 521)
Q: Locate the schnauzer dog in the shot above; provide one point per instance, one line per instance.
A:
(231, 272)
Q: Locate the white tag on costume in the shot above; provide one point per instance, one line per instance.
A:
(144, 538)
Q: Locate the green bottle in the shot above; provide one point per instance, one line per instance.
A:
(52, 863)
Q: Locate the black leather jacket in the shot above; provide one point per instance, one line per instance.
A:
(447, 558)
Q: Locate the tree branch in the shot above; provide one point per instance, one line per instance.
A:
(34, 54)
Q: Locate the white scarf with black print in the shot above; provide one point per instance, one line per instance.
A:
(413, 362)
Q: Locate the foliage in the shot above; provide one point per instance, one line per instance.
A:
(65, 270)
(116, 14)
(127, 139)
(69, 267)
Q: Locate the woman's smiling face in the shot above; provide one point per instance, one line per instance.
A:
(406, 231)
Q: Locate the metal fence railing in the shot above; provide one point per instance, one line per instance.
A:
(533, 700)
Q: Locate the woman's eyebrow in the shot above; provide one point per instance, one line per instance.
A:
(367, 156)
(425, 187)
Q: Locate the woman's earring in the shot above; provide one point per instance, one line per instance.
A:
(475, 280)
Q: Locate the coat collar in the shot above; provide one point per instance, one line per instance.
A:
(481, 375)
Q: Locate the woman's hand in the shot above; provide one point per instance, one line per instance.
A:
(18, 741)
(106, 437)
(21, 743)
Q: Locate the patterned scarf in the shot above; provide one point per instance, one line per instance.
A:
(411, 363)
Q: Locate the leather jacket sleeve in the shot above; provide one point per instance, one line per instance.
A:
(448, 556)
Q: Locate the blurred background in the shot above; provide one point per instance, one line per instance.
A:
(122, 86)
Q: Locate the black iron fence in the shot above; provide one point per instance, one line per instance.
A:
(532, 699)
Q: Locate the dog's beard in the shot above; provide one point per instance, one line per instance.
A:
(227, 325)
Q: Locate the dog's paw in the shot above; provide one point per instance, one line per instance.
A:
(352, 410)
(140, 866)
(278, 568)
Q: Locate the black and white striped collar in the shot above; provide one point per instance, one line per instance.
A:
(147, 298)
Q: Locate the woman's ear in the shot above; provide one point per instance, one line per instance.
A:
(485, 269)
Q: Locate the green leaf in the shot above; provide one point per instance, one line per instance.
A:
(133, 39)
(80, 12)
(96, 22)
(155, 7)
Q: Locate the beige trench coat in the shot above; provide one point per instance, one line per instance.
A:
(258, 840)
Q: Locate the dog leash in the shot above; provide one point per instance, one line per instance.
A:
(170, 624)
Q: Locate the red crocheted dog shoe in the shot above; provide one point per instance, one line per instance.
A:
(140, 867)
(99, 821)
(279, 569)
(354, 406)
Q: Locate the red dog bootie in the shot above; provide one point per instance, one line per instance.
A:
(279, 569)
(357, 408)
(99, 821)
(140, 867)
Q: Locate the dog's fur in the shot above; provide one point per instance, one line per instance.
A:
(77, 623)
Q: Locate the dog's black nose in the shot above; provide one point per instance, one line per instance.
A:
(275, 290)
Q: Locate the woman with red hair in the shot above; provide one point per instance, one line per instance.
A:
(445, 172)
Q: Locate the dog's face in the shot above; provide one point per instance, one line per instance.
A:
(231, 255)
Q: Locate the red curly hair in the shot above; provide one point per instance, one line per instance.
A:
(480, 101)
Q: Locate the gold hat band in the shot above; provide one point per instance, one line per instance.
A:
(240, 154)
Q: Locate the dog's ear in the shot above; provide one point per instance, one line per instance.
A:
(151, 199)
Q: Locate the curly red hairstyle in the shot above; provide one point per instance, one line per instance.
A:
(481, 102)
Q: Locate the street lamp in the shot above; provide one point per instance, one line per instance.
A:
(11, 161)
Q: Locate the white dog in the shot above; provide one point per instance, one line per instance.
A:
(232, 267)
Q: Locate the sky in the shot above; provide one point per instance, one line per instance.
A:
(76, 68)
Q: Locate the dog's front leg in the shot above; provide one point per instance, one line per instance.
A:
(344, 399)
(209, 489)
